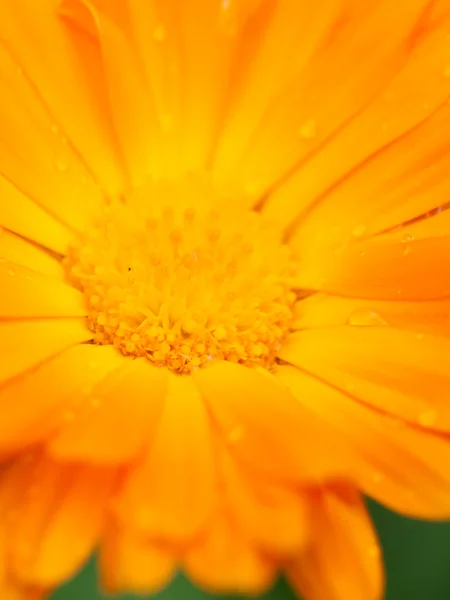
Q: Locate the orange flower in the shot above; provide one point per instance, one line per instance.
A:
(224, 307)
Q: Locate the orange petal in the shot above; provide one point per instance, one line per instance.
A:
(301, 115)
(262, 424)
(404, 374)
(207, 37)
(170, 493)
(68, 78)
(131, 104)
(36, 403)
(20, 214)
(343, 560)
(224, 561)
(59, 504)
(402, 106)
(55, 178)
(273, 517)
(12, 477)
(22, 252)
(404, 467)
(401, 182)
(133, 564)
(16, 591)
(323, 311)
(110, 428)
(381, 269)
(265, 56)
(26, 293)
(25, 344)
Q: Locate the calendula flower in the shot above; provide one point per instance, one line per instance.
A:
(224, 307)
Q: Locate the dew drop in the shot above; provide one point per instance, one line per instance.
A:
(366, 317)
(61, 166)
(427, 418)
(54, 128)
(236, 434)
(159, 33)
(225, 4)
(407, 238)
(359, 230)
(308, 130)
(377, 477)
(167, 122)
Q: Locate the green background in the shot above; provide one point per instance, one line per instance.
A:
(417, 557)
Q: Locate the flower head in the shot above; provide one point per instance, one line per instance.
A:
(224, 307)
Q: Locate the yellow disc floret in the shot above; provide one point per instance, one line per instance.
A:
(181, 283)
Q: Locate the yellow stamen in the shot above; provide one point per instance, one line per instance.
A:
(183, 285)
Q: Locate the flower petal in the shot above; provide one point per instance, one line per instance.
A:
(300, 115)
(11, 487)
(58, 503)
(373, 132)
(169, 494)
(225, 561)
(343, 559)
(56, 179)
(133, 564)
(40, 338)
(404, 374)
(381, 268)
(323, 311)
(26, 293)
(68, 79)
(131, 104)
(108, 428)
(20, 214)
(38, 402)
(403, 467)
(273, 517)
(22, 252)
(262, 423)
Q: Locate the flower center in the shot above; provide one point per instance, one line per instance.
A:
(175, 280)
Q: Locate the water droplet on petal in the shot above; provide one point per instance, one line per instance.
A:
(366, 317)
(359, 230)
(61, 166)
(308, 130)
(167, 122)
(377, 477)
(427, 418)
(373, 551)
(54, 128)
(159, 33)
(236, 434)
(407, 238)
(225, 4)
